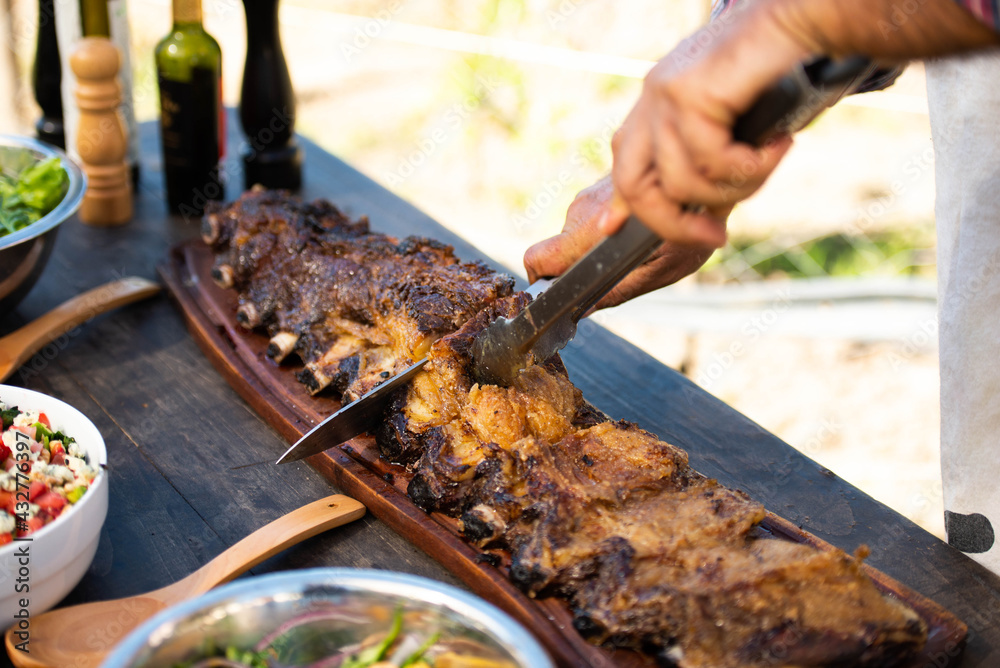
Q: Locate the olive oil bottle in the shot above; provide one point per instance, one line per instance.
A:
(192, 120)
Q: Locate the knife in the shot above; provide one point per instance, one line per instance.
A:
(549, 322)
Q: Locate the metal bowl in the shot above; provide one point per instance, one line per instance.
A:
(24, 253)
(351, 604)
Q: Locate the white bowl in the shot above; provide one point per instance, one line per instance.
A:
(60, 552)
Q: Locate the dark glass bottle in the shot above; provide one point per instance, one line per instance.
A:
(46, 77)
(192, 124)
(272, 157)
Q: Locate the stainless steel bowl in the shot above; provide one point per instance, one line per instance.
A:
(24, 253)
(352, 603)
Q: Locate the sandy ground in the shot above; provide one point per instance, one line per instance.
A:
(496, 147)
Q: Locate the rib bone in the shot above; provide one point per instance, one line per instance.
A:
(211, 228)
(248, 316)
(223, 276)
(281, 345)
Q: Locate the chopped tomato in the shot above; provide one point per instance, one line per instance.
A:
(44, 419)
(6, 538)
(35, 488)
(4, 452)
(58, 452)
(51, 503)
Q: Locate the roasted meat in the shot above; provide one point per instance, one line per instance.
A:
(647, 553)
(355, 306)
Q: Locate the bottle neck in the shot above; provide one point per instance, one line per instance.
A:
(94, 17)
(187, 12)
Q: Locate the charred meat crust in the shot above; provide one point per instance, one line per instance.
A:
(339, 290)
(395, 443)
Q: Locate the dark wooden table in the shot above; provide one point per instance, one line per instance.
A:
(190, 463)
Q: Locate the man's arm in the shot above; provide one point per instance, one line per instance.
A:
(676, 146)
(888, 29)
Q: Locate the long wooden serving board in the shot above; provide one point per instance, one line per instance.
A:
(356, 468)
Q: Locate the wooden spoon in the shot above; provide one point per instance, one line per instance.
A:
(17, 347)
(82, 635)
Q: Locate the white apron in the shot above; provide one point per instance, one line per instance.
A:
(964, 98)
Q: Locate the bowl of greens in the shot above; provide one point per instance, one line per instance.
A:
(331, 618)
(40, 187)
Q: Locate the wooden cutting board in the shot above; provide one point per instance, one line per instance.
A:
(356, 469)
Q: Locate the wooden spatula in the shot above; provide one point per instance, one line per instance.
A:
(82, 635)
(18, 347)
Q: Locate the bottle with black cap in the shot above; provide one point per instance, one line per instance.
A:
(192, 123)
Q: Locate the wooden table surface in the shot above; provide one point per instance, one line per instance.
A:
(190, 464)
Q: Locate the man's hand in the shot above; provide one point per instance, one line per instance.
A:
(676, 151)
(552, 257)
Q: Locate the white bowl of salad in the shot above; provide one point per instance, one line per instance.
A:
(53, 501)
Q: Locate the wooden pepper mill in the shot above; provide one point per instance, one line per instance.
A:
(101, 138)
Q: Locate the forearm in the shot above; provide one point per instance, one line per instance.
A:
(882, 29)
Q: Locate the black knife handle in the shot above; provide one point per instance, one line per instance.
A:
(591, 277)
(799, 97)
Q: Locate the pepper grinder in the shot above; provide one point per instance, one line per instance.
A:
(271, 157)
(101, 138)
(46, 78)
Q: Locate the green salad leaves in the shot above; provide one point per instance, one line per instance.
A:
(32, 194)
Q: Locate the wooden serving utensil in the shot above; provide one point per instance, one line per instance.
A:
(82, 635)
(17, 347)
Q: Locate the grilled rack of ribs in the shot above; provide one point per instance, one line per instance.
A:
(647, 553)
(355, 306)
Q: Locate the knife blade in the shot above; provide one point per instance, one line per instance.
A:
(549, 322)
(351, 420)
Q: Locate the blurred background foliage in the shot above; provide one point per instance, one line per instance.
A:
(887, 253)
